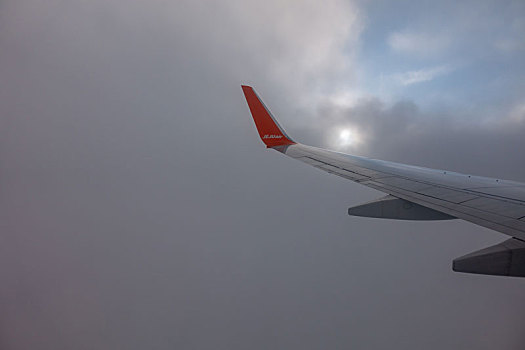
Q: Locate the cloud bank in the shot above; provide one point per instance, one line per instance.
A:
(139, 209)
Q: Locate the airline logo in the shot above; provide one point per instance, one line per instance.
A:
(272, 136)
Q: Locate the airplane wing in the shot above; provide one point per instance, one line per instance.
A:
(417, 193)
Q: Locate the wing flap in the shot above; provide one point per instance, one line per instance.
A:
(501, 207)
(454, 196)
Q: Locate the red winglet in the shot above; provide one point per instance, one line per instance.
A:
(269, 130)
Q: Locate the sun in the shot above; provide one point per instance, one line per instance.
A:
(348, 137)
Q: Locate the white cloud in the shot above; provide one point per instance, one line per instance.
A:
(517, 113)
(307, 47)
(421, 75)
(509, 45)
(421, 44)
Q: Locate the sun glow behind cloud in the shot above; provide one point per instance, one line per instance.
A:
(345, 138)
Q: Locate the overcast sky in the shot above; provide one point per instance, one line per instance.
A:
(139, 209)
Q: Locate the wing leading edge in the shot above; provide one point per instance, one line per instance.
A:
(416, 193)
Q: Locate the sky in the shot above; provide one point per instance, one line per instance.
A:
(139, 209)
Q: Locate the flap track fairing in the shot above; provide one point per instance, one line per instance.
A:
(391, 207)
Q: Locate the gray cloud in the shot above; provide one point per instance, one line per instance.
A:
(440, 139)
(139, 210)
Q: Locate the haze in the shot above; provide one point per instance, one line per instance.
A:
(139, 209)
